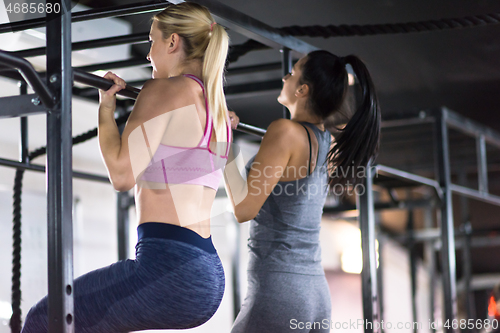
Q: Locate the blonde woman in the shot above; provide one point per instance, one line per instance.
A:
(172, 151)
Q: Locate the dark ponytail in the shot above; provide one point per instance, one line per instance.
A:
(357, 144)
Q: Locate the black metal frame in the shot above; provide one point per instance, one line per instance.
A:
(56, 99)
(443, 189)
(59, 172)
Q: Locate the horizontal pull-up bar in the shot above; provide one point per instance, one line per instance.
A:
(30, 75)
(48, 99)
(132, 92)
(102, 83)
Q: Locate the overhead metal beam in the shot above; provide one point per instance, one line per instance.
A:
(391, 172)
(141, 37)
(92, 14)
(470, 127)
(254, 69)
(224, 15)
(254, 29)
(475, 194)
(402, 204)
(115, 64)
(240, 90)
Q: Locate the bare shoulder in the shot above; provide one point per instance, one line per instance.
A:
(287, 130)
(166, 94)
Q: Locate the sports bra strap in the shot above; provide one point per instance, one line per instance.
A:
(209, 117)
(310, 151)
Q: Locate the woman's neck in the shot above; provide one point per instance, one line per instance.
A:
(302, 115)
(193, 67)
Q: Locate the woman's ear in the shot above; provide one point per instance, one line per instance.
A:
(302, 91)
(173, 42)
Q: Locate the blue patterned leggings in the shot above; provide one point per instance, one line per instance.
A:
(172, 284)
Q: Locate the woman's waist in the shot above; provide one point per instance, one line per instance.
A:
(188, 203)
(168, 231)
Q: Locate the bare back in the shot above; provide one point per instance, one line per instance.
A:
(186, 205)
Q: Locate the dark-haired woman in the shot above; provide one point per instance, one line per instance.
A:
(285, 190)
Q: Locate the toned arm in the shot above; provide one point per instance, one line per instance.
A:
(248, 195)
(126, 156)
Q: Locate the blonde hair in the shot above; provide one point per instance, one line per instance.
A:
(202, 40)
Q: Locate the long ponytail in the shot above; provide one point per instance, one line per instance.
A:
(205, 40)
(213, 76)
(358, 143)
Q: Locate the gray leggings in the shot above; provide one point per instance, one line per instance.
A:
(171, 284)
(279, 302)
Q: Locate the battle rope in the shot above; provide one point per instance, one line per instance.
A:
(235, 52)
(15, 319)
(370, 30)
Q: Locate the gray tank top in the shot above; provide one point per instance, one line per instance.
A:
(284, 236)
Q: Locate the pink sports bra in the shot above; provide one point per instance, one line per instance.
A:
(197, 165)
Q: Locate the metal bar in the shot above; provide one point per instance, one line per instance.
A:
(89, 44)
(467, 273)
(104, 84)
(388, 171)
(286, 60)
(233, 91)
(482, 165)
(252, 89)
(448, 260)
(132, 92)
(20, 106)
(59, 167)
(235, 269)
(485, 241)
(466, 229)
(122, 218)
(471, 127)
(122, 210)
(88, 176)
(254, 29)
(10, 73)
(369, 272)
(251, 129)
(92, 14)
(253, 69)
(380, 281)
(413, 266)
(30, 75)
(403, 204)
(224, 15)
(429, 257)
(475, 194)
(40, 168)
(405, 122)
(114, 64)
(23, 140)
(144, 62)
